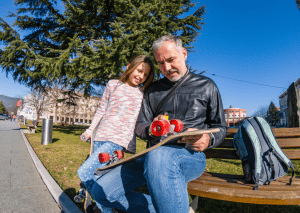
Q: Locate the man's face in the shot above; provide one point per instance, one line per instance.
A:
(170, 61)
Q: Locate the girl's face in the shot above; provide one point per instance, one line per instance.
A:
(139, 75)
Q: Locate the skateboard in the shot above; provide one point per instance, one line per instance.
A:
(83, 193)
(173, 137)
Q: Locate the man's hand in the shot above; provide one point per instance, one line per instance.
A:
(160, 117)
(196, 142)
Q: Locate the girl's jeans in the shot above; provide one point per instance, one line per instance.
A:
(166, 170)
(87, 169)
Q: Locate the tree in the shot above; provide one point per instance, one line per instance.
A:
(2, 108)
(272, 114)
(91, 40)
(39, 101)
(298, 4)
(69, 102)
(261, 111)
(54, 94)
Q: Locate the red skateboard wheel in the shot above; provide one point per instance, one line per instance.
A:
(178, 125)
(119, 153)
(160, 127)
(104, 157)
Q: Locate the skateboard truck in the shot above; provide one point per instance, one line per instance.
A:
(81, 195)
(163, 127)
(115, 157)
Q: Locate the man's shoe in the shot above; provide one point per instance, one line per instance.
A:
(96, 209)
(114, 211)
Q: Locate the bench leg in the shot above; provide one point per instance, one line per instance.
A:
(194, 204)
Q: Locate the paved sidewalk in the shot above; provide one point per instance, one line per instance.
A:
(22, 188)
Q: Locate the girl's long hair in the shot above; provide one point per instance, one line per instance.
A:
(135, 62)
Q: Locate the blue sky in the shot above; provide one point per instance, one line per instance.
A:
(242, 41)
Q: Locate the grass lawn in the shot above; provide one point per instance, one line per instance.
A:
(67, 152)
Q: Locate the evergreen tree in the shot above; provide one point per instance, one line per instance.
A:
(272, 114)
(91, 41)
(298, 4)
(2, 108)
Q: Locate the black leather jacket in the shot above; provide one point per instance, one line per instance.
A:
(197, 103)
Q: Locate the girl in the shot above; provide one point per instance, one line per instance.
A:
(118, 109)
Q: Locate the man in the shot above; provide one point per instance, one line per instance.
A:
(198, 104)
(167, 169)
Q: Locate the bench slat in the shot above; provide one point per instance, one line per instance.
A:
(231, 154)
(233, 188)
(286, 132)
(245, 196)
(238, 181)
(278, 132)
(287, 143)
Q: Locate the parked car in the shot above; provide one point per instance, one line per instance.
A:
(2, 117)
(7, 117)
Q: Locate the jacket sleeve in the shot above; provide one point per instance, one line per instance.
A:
(216, 118)
(144, 119)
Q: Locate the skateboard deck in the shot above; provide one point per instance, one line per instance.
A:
(168, 140)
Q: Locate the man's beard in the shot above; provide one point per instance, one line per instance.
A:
(175, 78)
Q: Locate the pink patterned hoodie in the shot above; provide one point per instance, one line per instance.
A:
(119, 109)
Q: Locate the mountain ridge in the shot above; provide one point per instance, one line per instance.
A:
(9, 103)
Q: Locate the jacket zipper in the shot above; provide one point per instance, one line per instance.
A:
(174, 106)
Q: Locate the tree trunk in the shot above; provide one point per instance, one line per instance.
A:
(293, 106)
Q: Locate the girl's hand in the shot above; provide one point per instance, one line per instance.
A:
(84, 137)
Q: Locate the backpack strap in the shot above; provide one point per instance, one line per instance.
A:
(275, 147)
(257, 181)
(293, 173)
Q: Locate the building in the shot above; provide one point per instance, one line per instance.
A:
(81, 112)
(234, 116)
(26, 110)
(283, 102)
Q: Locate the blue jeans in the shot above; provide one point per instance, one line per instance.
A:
(87, 169)
(166, 170)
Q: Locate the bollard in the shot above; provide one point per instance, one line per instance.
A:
(47, 131)
(24, 121)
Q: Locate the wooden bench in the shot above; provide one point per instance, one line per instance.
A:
(32, 127)
(230, 187)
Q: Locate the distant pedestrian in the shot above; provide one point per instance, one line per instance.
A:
(14, 117)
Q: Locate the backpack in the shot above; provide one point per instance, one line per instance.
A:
(262, 159)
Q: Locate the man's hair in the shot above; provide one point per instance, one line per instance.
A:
(175, 39)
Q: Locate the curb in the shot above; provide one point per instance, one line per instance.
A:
(61, 198)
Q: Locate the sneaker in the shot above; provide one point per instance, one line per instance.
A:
(96, 209)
